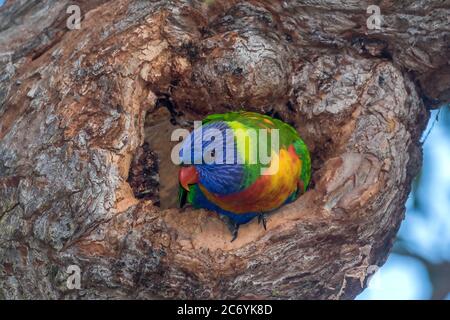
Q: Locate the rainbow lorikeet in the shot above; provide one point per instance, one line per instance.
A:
(222, 167)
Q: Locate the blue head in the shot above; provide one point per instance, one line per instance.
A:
(209, 157)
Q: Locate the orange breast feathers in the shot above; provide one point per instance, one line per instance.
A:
(269, 191)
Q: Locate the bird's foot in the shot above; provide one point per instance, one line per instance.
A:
(234, 232)
(232, 226)
(262, 218)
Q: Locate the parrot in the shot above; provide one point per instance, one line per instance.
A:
(218, 171)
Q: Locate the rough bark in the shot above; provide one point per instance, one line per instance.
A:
(73, 110)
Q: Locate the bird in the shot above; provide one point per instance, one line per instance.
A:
(222, 167)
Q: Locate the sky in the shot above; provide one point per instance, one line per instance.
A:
(428, 234)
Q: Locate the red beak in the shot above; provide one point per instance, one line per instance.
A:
(187, 176)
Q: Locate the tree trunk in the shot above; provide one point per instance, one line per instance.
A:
(78, 185)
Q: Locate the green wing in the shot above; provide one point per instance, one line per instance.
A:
(302, 151)
(287, 134)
